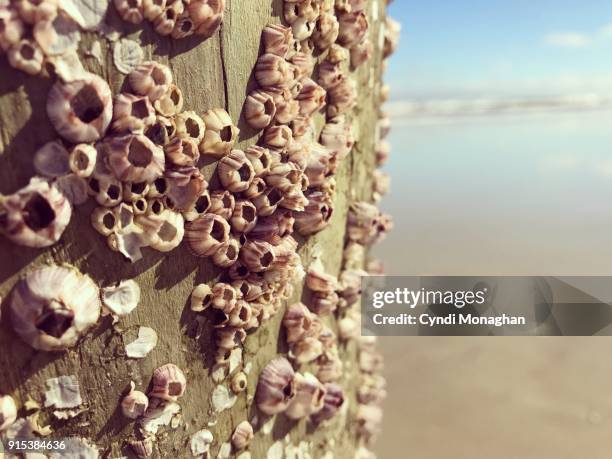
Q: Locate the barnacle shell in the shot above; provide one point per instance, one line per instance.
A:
(51, 160)
(222, 203)
(303, 28)
(392, 35)
(134, 404)
(244, 217)
(106, 190)
(260, 159)
(143, 344)
(259, 109)
(184, 26)
(239, 382)
(56, 35)
(82, 109)
(186, 185)
(242, 436)
(330, 367)
(89, 14)
(307, 349)
(257, 256)
(165, 23)
(169, 383)
(163, 232)
(309, 396)
(122, 298)
(326, 31)
(32, 11)
(182, 151)
(297, 321)
(207, 15)
(235, 171)
(35, 216)
(307, 9)
(220, 135)
(316, 215)
(353, 27)
(311, 97)
(201, 297)
(53, 306)
(342, 97)
(226, 255)
(274, 71)
(82, 160)
(332, 402)
(200, 443)
(150, 79)
(171, 102)
(142, 448)
(132, 113)
(286, 107)
(330, 74)
(277, 39)
(8, 411)
(337, 136)
(276, 387)
(134, 158)
(268, 201)
(324, 303)
(11, 28)
(207, 234)
(130, 10)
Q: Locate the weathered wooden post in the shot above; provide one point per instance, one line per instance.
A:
(184, 224)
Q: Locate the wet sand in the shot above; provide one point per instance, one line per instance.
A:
(504, 197)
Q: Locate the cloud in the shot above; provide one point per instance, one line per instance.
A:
(606, 31)
(571, 40)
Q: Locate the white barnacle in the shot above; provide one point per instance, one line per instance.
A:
(53, 306)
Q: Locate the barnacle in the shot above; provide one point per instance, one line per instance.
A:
(235, 171)
(276, 387)
(207, 234)
(36, 215)
(242, 436)
(277, 39)
(309, 396)
(134, 404)
(207, 15)
(82, 109)
(132, 113)
(259, 109)
(53, 306)
(244, 217)
(220, 135)
(51, 160)
(26, 55)
(169, 382)
(274, 71)
(150, 79)
(130, 10)
(134, 158)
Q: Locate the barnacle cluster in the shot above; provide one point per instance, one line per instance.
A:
(177, 18)
(35, 33)
(137, 156)
(168, 384)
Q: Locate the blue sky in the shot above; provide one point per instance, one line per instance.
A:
(479, 48)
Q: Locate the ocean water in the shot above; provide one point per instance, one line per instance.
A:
(515, 194)
(524, 195)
